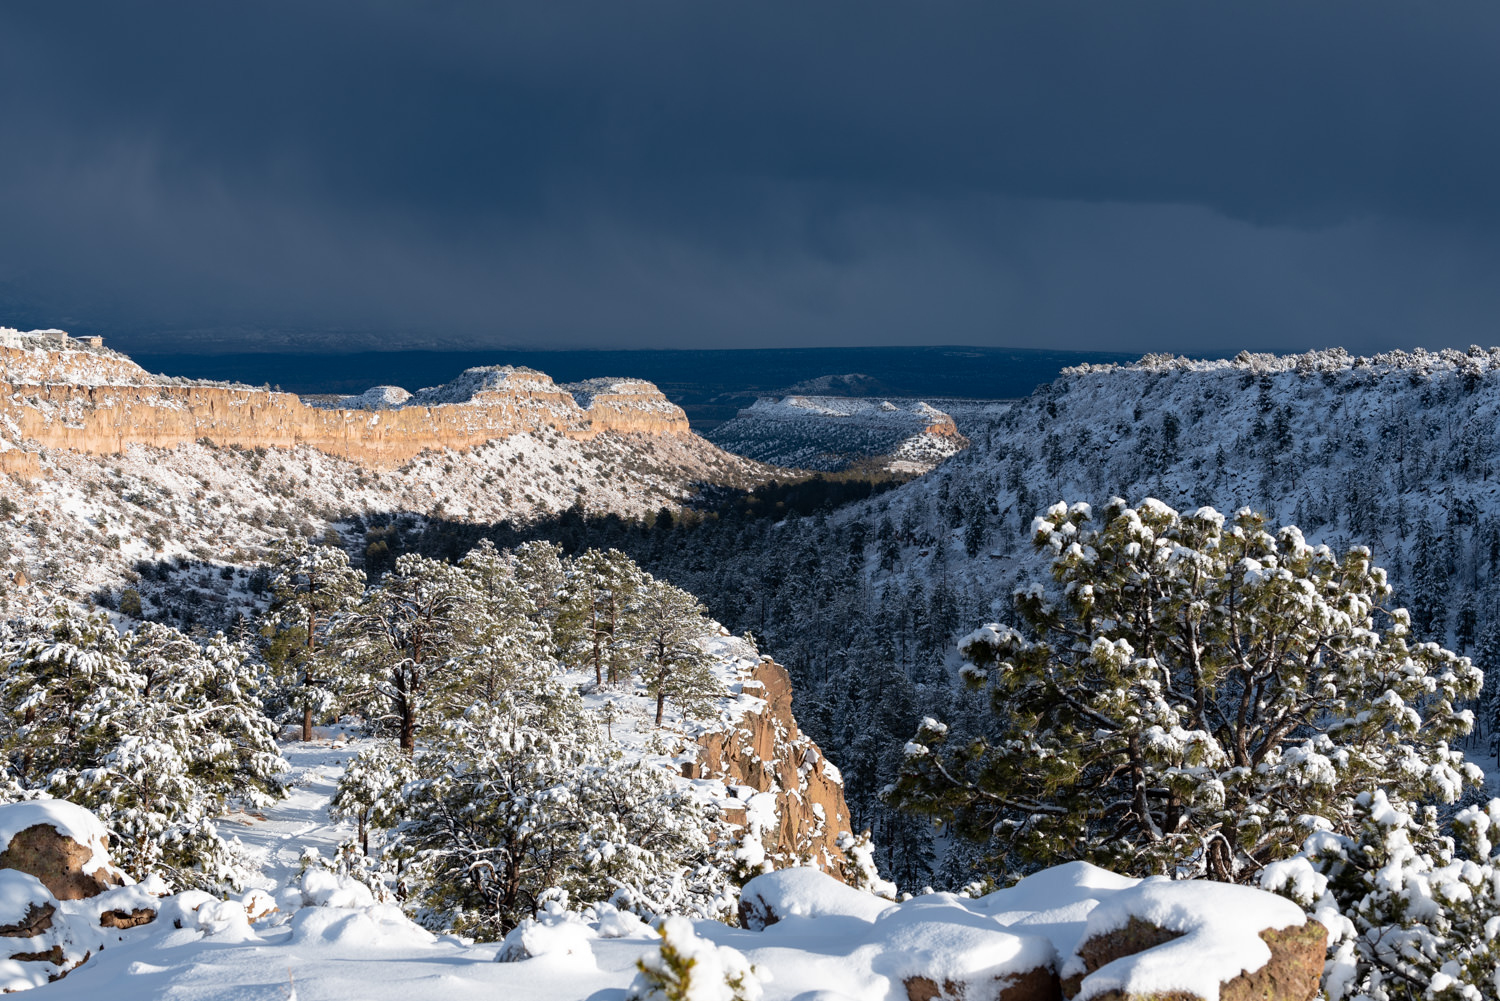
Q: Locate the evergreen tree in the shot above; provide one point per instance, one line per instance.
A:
(673, 662)
(311, 587)
(153, 732)
(413, 636)
(596, 620)
(1188, 694)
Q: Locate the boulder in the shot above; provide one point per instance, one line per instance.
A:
(1039, 984)
(1291, 974)
(61, 844)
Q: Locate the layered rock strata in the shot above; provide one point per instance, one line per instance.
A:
(100, 402)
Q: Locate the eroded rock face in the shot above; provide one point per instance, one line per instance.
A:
(769, 753)
(1292, 974)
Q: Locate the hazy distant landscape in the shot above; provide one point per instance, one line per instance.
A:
(711, 386)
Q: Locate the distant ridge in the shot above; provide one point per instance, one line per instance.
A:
(711, 386)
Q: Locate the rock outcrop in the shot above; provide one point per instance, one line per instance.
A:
(92, 400)
(61, 899)
(766, 752)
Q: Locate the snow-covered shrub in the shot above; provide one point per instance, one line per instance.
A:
(861, 872)
(508, 803)
(1412, 912)
(153, 732)
(686, 967)
(1188, 692)
(369, 789)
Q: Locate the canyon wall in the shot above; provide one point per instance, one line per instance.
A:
(100, 402)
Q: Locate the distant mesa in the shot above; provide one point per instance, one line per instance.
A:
(832, 433)
(853, 384)
(58, 391)
(376, 398)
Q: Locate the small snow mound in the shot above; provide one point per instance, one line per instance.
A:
(804, 893)
(365, 929)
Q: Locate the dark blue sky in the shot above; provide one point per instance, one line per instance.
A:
(1120, 176)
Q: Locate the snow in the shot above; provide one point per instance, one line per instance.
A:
(831, 433)
(807, 893)
(330, 941)
(19, 893)
(376, 398)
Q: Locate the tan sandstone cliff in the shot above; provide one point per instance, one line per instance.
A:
(769, 753)
(82, 397)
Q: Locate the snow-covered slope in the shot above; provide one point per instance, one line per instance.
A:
(113, 467)
(832, 433)
(1396, 452)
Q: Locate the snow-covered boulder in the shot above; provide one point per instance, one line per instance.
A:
(1195, 938)
(61, 844)
(61, 898)
(804, 892)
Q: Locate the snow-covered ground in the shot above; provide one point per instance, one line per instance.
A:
(828, 942)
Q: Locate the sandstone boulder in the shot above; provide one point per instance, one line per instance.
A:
(1186, 940)
(61, 844)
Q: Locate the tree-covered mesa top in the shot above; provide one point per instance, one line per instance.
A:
(1193, 695)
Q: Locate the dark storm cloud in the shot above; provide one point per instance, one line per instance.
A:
(1127, 175)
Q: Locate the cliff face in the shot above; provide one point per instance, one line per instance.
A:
(767, 752)
(97, 403)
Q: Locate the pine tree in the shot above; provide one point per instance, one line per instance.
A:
(153, 732)
(596, 619)
(1187, 693)
(311, 588)
(674, 664)
(411, 636)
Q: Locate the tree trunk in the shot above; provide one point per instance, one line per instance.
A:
(408, 729)
(307, 733)
(661, 701)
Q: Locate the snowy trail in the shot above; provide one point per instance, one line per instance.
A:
(326, 954)
(300, 820)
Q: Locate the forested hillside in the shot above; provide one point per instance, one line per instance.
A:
(864, 603)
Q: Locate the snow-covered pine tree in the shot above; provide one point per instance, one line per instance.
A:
(369, 790)
(1189, 696)
(511, 801)
(154, 733)
(510, 646)
(311, 588)
(596, 622)
(1411, 909)
(673, 662)
(412, 635)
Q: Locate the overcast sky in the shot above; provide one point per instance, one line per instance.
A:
(1195, 176)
